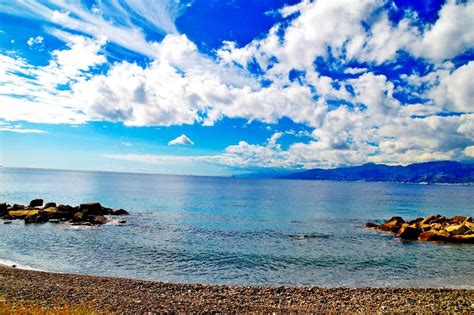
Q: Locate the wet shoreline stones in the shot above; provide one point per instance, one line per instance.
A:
(435, 228)
(91, 213)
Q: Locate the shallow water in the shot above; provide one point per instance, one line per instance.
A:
(238, 231)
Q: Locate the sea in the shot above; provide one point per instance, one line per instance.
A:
(234, 231)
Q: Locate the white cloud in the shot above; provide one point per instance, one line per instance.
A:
(456, 89)
(4, 126)
(181, 140)
(451, 34)
(469, 151)
(33, 41)
(121, 22)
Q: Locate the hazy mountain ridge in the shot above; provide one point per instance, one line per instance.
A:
(430, 172)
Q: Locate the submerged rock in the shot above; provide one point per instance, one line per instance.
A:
(97, 219)
(119, 212)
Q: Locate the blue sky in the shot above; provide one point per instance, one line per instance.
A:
(208, 87)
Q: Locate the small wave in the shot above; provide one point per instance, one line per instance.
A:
(300, 237)
(10, 263)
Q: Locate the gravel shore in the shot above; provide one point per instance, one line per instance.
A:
(126, 296)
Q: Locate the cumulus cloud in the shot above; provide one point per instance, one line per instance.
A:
(181, 140)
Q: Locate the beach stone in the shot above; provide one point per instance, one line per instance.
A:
(50, 204)
(119, 212)
(36, 203)
(433, 236)
(97, 219)
(456, 229)
(91, 208)
(408, 232)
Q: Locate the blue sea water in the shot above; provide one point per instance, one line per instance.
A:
(238, 231)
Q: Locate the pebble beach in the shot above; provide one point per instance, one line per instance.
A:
(20, 289)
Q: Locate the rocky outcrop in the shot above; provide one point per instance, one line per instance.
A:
(457, 229)
(91, 213)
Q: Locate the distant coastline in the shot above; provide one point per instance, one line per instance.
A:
(443, 172)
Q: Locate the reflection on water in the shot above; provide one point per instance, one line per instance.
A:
(238, 231)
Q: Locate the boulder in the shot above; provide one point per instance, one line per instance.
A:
(440, 220)
(50, 204)
(392, 225)
(78, 217)
(36, 203)
(469, 225)
(92, 208)
(30, 219)
(429, 219)
(119, 212)
(122, 222)
(97, 219)
(436, 226)
(21, 214)
(106, 211)
(425, 227)
(434, 236)
(456, 229)
(17, 207)
(65, 208)
(416, 221)
(3, 208)
(371, 225)
(469, 238)
(408, 232)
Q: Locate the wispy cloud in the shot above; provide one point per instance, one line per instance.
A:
(18, 128)
(124, 23)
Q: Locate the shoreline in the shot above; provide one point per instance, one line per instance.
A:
(31, 289)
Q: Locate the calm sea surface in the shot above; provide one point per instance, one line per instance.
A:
(237, 231)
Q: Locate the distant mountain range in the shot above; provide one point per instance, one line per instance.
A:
(430, 172)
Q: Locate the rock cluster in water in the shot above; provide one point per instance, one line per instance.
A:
(91, 213)
(458, 229)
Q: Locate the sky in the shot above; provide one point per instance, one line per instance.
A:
(221, 87)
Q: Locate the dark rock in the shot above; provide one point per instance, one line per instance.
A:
(7, 222)
(467, 238)
(93, 208)
(50, 204)
(30, 218)
(119, 212)
(17, 207)
(458, 219)
(97, 219)
(3, 208)
(398, 220)
(78, 217)
(36, 203)
(106, 211)
(371, 225)
(65, 208)
(408, 232)
(416, 221)
(122, 222)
